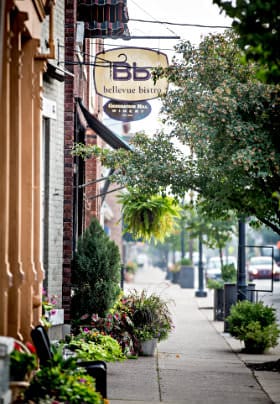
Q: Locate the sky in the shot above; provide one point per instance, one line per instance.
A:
(197, 12)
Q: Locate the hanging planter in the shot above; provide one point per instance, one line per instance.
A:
(148, 217)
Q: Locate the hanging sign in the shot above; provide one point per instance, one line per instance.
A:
(124, 74)
(127, 111)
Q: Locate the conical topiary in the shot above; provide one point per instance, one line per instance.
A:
(95, 273)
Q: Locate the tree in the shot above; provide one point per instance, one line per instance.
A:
(95, 273)
(257, 24)
(217, 232)
(230, 123)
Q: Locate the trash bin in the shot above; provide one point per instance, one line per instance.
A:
(219, 304)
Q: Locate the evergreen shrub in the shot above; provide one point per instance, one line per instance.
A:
(95, 273)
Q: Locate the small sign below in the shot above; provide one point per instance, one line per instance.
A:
(127, 111)
(49, 108)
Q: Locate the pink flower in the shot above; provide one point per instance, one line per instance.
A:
(94, 317)
(86, 329)
(84, 317)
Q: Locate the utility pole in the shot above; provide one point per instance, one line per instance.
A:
(241, 268)
(200, 292)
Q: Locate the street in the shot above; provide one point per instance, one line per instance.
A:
(269, 298)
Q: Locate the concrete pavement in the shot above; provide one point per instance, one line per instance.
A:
(198, 363)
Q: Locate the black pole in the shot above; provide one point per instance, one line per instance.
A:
(122, 276)
(183, 250)
(241, 269)
(200, 292)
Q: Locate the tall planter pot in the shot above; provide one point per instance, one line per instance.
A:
(219, 305)
(175, 277)
(186, 277)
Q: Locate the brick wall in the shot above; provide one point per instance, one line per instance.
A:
(70, 19)
(53, 205)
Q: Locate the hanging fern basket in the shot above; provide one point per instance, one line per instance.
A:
(148, 217)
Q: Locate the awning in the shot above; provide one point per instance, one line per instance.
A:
(102, 130)
(103, 18)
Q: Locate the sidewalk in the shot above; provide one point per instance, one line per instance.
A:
(197, 364)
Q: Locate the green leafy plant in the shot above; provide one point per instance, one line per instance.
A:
(63, 381)
(95, 273)
(215, 284)
(117, 323)
(147, 216)
(186, 261)
(92, 345)
(150, 315)
(23, 362)
(136, 317)
(49, 304)
(229, 273)
(255, 324)
(131, 267)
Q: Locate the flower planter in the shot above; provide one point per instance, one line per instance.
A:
(17, 389)
(186, 277)
(147, 348)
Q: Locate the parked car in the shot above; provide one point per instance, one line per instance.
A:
(261, 267)
(213, 270)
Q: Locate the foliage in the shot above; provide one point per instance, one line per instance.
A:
(148, 216)
(229, 123)
(215, 284)
(22, 362)
(92, 345)
(49, 304)
(150, 315)
(135, 317)
(131, 267)
(257, 24)
(63, 381)
(73, 387)
(186, 261)
(255, 324)
(95, 273)
(228, 273)
(117, 323)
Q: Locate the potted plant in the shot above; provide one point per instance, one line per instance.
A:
(228, 275)
(218, 286)
(130, 269)
(255, 324)
(117, 323)
(23, 362)
(175, 271)
(62, 381)
(91, 345)
(148, 216)
(151, 319)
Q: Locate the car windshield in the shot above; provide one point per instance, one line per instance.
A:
(261, 261)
